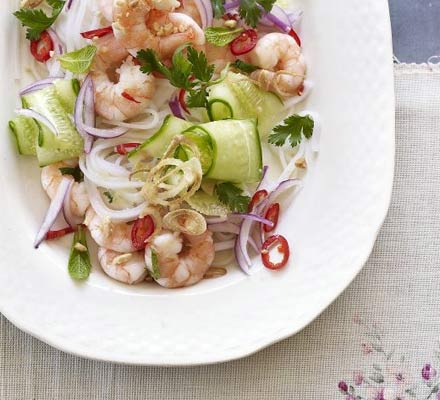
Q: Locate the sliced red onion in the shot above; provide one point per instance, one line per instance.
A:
(54, 209)
(71, 219)
(209, 12)
(279, 189)
(37, 85)
(79, 113)
(277, 12)
(175, 108)
(231, 5)
(226, 245)
(57, 43)
(282, 24)
(224, 227)
(241, 260)
(262, 182)
(89, 113)
(105, 133)
(30, 113)
(216, 220)
(202, 12)
(255, 218)
(69, 5)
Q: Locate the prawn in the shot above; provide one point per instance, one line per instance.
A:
(51, 177)
(106, 9)
(128, 97)
(108, 234)
(283, 68)
(127, 268)
(182, 260)
(151, 24)
(189, 8)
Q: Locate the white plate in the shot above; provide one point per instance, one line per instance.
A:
(332, 225)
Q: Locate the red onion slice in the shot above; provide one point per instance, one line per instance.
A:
(231, 5)
(226, 245)
(202, 12)
(105, 133)
(69, 5)
(57, 43)
(79, 113)
(71, 219)
(278, 13)
(37, 85)
(255, 218)
(209, 12)
(54, 209)
(30, 113)
(224, 227)
(175, 108)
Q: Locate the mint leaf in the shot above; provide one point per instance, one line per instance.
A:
(292, 128)
(37, 21)
(221, 36)
(78, 61)
(232, 197)
(79, 260)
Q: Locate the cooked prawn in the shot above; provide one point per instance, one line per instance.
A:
(106, 9)
(151, 24)
(128, 97)
(110, 54)
(51, 177)
(189, 8)
(283, 68)
(182, 260)
(219, 56)
(107, 234)
(126, 268)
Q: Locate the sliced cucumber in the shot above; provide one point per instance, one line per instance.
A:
(207, 204)
(156, 145)
(25, 130)
(51, 148)
(237, 97)
(237, 151)
(67, 91)
(203, 141)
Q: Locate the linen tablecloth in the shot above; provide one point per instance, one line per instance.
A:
(377, 341)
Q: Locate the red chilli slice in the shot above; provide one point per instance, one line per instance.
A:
(42, 47)
(244, 43)
(125, 148)
(142, 229)
(97, 32)
(127, 96)
(282, 247)
(272, 214)
(58, 234)
(257, 198)
(292, 33)
(182, 100)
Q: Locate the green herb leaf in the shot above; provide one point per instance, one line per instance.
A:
(232, 197)
(37, 21)
(190, 72)
(79, 261)
(78, 61)
(201, 70)
(109, 196)
(292, 128)
(155, 273)
(251, 12)
(267, 4)
(221, 36)
(75, 172)
(244, 66)
(218, 7)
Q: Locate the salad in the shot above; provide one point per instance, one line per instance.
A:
(168, 130)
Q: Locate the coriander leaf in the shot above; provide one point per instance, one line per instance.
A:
(221, 36)
(244, 66)
(155, 273)
(78, 61)
(37, 21)
(218, 7)
(292, 128)
(197, 98)
(79, 260)
(250, 12)
(267, 4)
(200, 68)
(150, 63)
(109, 196)
(232, 197)
(75, 172)
(180, 70)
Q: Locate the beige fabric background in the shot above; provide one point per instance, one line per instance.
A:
(399, 290)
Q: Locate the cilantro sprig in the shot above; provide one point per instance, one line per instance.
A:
(244, 66)
(232, 197)
(250, 10)
(189, 71)
(37, 21)
(292, 129)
